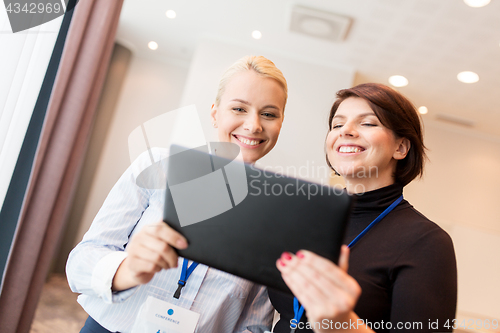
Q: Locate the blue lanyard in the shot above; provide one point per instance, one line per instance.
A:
(377, 220)
(299, 311)
(185, 273)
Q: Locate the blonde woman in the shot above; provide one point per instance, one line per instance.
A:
(120, 262)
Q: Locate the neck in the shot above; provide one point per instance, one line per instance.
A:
(361, 185)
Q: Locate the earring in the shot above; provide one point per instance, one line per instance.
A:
(214, 124)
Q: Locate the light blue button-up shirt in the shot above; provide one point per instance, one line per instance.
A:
(226, 303)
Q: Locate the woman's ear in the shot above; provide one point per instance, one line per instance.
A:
(213, 114)
(403, 149)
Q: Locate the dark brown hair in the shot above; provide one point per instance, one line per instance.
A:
(396, 113)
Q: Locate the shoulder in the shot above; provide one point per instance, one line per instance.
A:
(149, 169)
(421, 234)
(148, 158)
(414, 220)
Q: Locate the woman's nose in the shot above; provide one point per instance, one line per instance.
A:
(348, 129)
(253, 124)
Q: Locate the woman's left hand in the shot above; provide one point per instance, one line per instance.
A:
(326, 291)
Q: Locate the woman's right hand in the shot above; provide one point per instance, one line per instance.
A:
(327, 292)
(149, 251)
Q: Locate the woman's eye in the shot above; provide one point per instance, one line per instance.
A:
(269, 115)
(238, 109)
(369, 124)
(336, 126)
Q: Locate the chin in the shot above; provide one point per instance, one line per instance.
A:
(250, 160)
(350, 170)
(253, 155)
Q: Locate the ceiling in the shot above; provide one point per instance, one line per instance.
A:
(427, 41)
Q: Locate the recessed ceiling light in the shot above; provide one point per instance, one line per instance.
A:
(170, 14)
(256, 34)
(468, 77)
(477, 3)
(153, 45)
(398, 81)
(423, 110)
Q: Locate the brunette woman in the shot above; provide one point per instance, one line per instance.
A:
(402, 270)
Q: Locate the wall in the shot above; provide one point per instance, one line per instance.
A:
(460, 192)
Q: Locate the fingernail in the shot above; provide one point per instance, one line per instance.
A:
(282, 263)
(286, 256)
(300, 255)
(181, 244)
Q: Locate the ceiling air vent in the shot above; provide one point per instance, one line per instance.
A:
(320, 24)
(455, 120)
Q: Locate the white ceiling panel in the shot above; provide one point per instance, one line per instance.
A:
(428, 41)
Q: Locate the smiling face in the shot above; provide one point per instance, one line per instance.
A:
(250, 114)
(361, 149)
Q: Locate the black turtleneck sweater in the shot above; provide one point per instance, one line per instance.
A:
(405, 266)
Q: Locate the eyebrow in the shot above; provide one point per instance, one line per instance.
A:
(270, 106)
(240, 100)
(358, 116)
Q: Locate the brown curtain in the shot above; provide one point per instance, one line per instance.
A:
(58, 159)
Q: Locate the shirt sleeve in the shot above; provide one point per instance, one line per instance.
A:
(257, 314)
(92, 264)
(425, 287)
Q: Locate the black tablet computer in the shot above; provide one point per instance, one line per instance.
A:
(240, 219)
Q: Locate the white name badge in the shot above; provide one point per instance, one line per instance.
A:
(157, 316)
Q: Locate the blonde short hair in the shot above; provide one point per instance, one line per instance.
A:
(259, 65)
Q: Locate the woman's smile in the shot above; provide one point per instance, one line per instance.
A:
(349, 149)
(248, 142)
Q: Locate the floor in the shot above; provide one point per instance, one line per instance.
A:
(57, 309)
